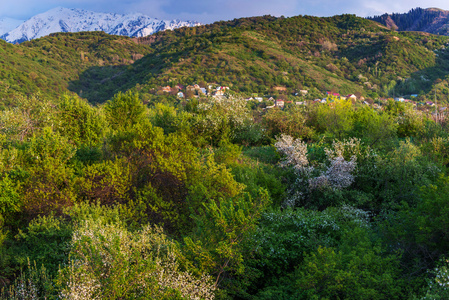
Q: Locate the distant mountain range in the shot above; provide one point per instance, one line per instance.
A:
(8, 24)
(431, 20)
(75, 20)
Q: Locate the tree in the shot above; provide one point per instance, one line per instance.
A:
(336, 118)
(79, 122)
(124, 111)
(357, 269)
(49, 186)
(217, 244)
(107, 259)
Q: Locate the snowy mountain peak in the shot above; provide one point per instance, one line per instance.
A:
(62, 19)
(8, 24)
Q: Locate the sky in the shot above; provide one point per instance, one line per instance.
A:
(209, 11)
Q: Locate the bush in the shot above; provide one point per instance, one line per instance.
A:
(107, 259)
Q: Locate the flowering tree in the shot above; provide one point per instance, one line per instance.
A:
(107, 259)
(334, 174)
(437, 287)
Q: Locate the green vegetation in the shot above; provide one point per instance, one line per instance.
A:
(344, 53)
(147, 195)
(128, 200)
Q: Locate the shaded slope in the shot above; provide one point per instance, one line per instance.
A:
(343, 53)
(431, 20)
(50, 63)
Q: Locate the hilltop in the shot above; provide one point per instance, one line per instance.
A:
(63, 19)
(431, 20)
(265, 55)
(254, 55)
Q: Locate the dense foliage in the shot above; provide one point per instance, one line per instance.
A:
(221, 197)
(186, 202)
(264, 55)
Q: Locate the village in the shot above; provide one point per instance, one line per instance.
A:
(298, 97)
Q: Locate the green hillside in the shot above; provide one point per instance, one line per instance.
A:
(344, 53)
(431, 20)
(50, 64)
(129, 192)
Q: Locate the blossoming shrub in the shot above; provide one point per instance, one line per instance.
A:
(331, 176)
(33, 283)
(437, 286)
(109, 262)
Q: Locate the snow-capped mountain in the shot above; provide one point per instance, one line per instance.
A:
(8, 24)
(74, 20)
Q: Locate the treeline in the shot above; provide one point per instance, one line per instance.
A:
(221, 199)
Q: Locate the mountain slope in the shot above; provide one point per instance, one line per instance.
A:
(431, 20)
(343, 53)
(8, 24)
(264, 55)
(75, 20)
(49, 64)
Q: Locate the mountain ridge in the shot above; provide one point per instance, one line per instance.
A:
(430, 20)
(8, 24)
(62, 19)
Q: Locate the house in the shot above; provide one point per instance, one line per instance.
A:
(219, 93)
(196, 86)
(190, 88)
(180, 95)
(351, 96)
(249, 99)
(279, 103)
(304, 92)
(430, 103)
(180, 87)
(413, 95)
(204, 91)
(400, 99)
(271, 99)
(260, 99)
(333, 94)
(166, 89)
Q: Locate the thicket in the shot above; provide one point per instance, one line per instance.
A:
(214, 200)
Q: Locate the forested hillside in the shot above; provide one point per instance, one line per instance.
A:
(431, 20)
(116, 187)
(343, 53)
(50, 65)
(251, 55)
